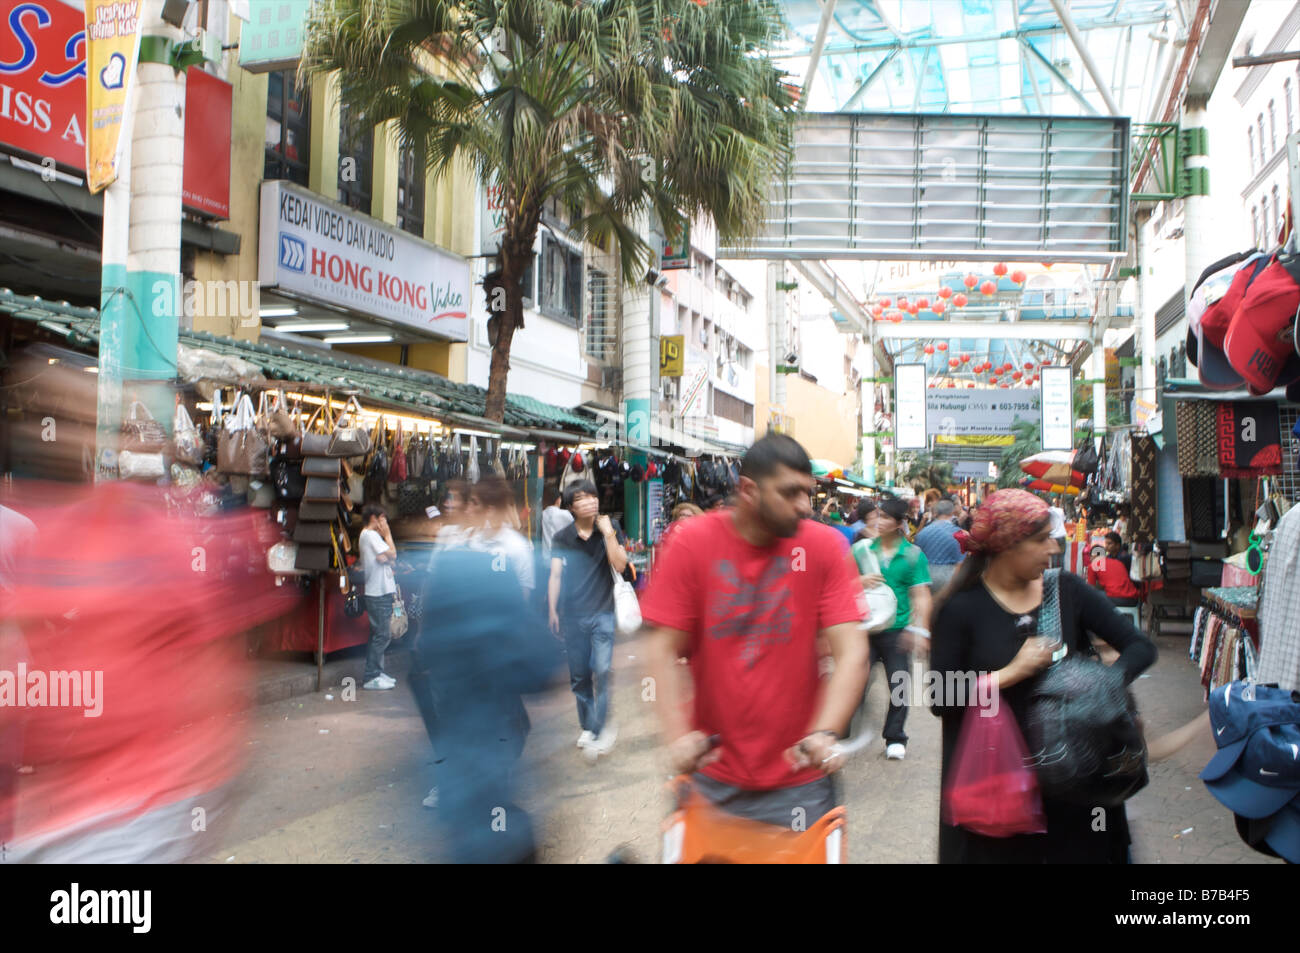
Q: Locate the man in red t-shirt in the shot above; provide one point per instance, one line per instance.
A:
(747, 596)
(1110, 572)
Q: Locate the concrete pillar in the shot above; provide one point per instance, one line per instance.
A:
(1144, 313)
(1200, 244)
(868, 398)
(1098, 373)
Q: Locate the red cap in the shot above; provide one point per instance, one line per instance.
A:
(577, 463)
(1258, 341)
(1218, 316)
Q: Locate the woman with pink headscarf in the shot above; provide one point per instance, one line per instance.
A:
(986, 621)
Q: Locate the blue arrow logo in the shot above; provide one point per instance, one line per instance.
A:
(293, 252)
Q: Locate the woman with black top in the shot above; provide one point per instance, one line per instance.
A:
(986, 620)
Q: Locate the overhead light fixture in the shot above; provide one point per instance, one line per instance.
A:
(359, 339)
(278, 312)
(298, 327)
(92, 369)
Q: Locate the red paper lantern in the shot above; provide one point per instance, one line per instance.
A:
(1047, 265)
(1018, 276)
(959, 300)
(953, 362)
(970, 281)
(913, 309)
(923, 303)
(988, 288)
(970, 386)
(884, 302)
(938, 307)
(902, 303)
(952, 384)
(1004, 386)
(945, 292)
(942, 345)
(896, 317)
(993, 380)
(929, 349)
(1016, 376)
(1006, 367)
(1029, 365)
(965, 358)
(1000, 269)
(877, 310)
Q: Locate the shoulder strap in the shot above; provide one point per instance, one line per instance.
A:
(1049, 616)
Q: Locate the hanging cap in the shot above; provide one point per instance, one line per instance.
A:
(1259, 340)
(577, 463)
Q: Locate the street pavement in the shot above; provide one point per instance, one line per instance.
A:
(335, 781)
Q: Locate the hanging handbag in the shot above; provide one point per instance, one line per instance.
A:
(397, 466)
(312, 511)
(313, 442)
(311, 558)
(279, 422)
(1085, 741)
(349, 438)
(322, 490)
(1085, 459)
(399, 623)
(282, 559)
(241, 448)
(140, 466)
(472, 472)
(354, 607)
(314, 533)
(989, 790)
(286, 475)
(141, 433)
(321, 467)
(187, 442)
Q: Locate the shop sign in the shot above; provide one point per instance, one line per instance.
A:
(677, 250)
(323, 251)
(975, 470)
(672, 355)
(43, 101)
(1058, 408)
(695, 391)
(492, 220)
(953, 413)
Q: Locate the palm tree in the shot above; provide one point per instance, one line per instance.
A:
(924, 470)
(618, 109)
(1028, 441)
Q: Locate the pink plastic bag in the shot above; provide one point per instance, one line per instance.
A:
(990, 791)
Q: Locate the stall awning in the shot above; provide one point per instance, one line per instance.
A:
(662, 436)
(403, 388)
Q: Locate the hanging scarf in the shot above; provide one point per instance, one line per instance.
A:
(1004, 519)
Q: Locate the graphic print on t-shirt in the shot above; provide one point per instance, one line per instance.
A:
(757, 613)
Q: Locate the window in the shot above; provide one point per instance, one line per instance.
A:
(1290, 109)
(733, 409)
(1272, 127)
(1277, 212)
(561, 274)
(356, 159)
(1263, 221)
(1254, 226)
(410, 191)
(288, 129)
(601, 331)
(1250, 147)
(1262, 158)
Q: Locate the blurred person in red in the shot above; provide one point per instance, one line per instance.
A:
(748, 595)
(133, 666)
(1109, 570)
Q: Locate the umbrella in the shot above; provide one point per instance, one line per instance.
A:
(827, 470)
(1053, 466)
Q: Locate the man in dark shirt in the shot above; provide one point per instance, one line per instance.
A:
(581, 601)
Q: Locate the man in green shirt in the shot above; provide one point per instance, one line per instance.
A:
(907, 573)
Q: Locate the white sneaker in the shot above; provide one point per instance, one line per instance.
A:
(377, 684)
(604, 742)
(896, 752)
(585, 739)
(431, 799)
(388, 678)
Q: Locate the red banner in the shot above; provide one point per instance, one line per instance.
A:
(43, 101)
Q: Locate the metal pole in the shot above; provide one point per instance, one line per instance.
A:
(828, 9)
(1088, 63)
(320, 631)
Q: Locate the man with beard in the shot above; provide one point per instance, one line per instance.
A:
(752, 597)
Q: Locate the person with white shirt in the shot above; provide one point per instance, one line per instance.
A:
(378, 555)
(1057, 530)
(489, 512)
(554, 518)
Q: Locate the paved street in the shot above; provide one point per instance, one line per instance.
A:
(341, 782)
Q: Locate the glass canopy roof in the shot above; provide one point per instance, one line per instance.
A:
(983, 56)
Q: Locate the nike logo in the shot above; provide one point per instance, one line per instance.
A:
(1222, 730)
(1271, 774)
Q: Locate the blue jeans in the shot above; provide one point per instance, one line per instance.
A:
(589, 645)
(380, 611)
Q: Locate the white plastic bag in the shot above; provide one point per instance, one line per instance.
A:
(140, 466)
(187, 444)
(627, 608)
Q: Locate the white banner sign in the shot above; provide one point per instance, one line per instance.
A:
(975, 470)
(326, 252)
(909, 407)
(961, 413)
(1058, 408)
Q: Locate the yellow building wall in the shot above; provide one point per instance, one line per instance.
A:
(824, 423)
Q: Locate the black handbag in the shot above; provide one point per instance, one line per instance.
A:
(288, 479)
(313, 558)
(1082, 730)
(353, 605)
(1085, 459)
(412, 497)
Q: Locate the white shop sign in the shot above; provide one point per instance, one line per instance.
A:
(323, 251)
(954, 413)
(909, 406)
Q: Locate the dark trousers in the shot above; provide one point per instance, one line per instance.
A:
(887, 647)
(380, 611)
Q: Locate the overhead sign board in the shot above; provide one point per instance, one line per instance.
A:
(954, 413)
(672, 355)
(975, 470)
(880, 186)
(326, 252)
(1058, 408)
(909, 407)
(43, 102)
